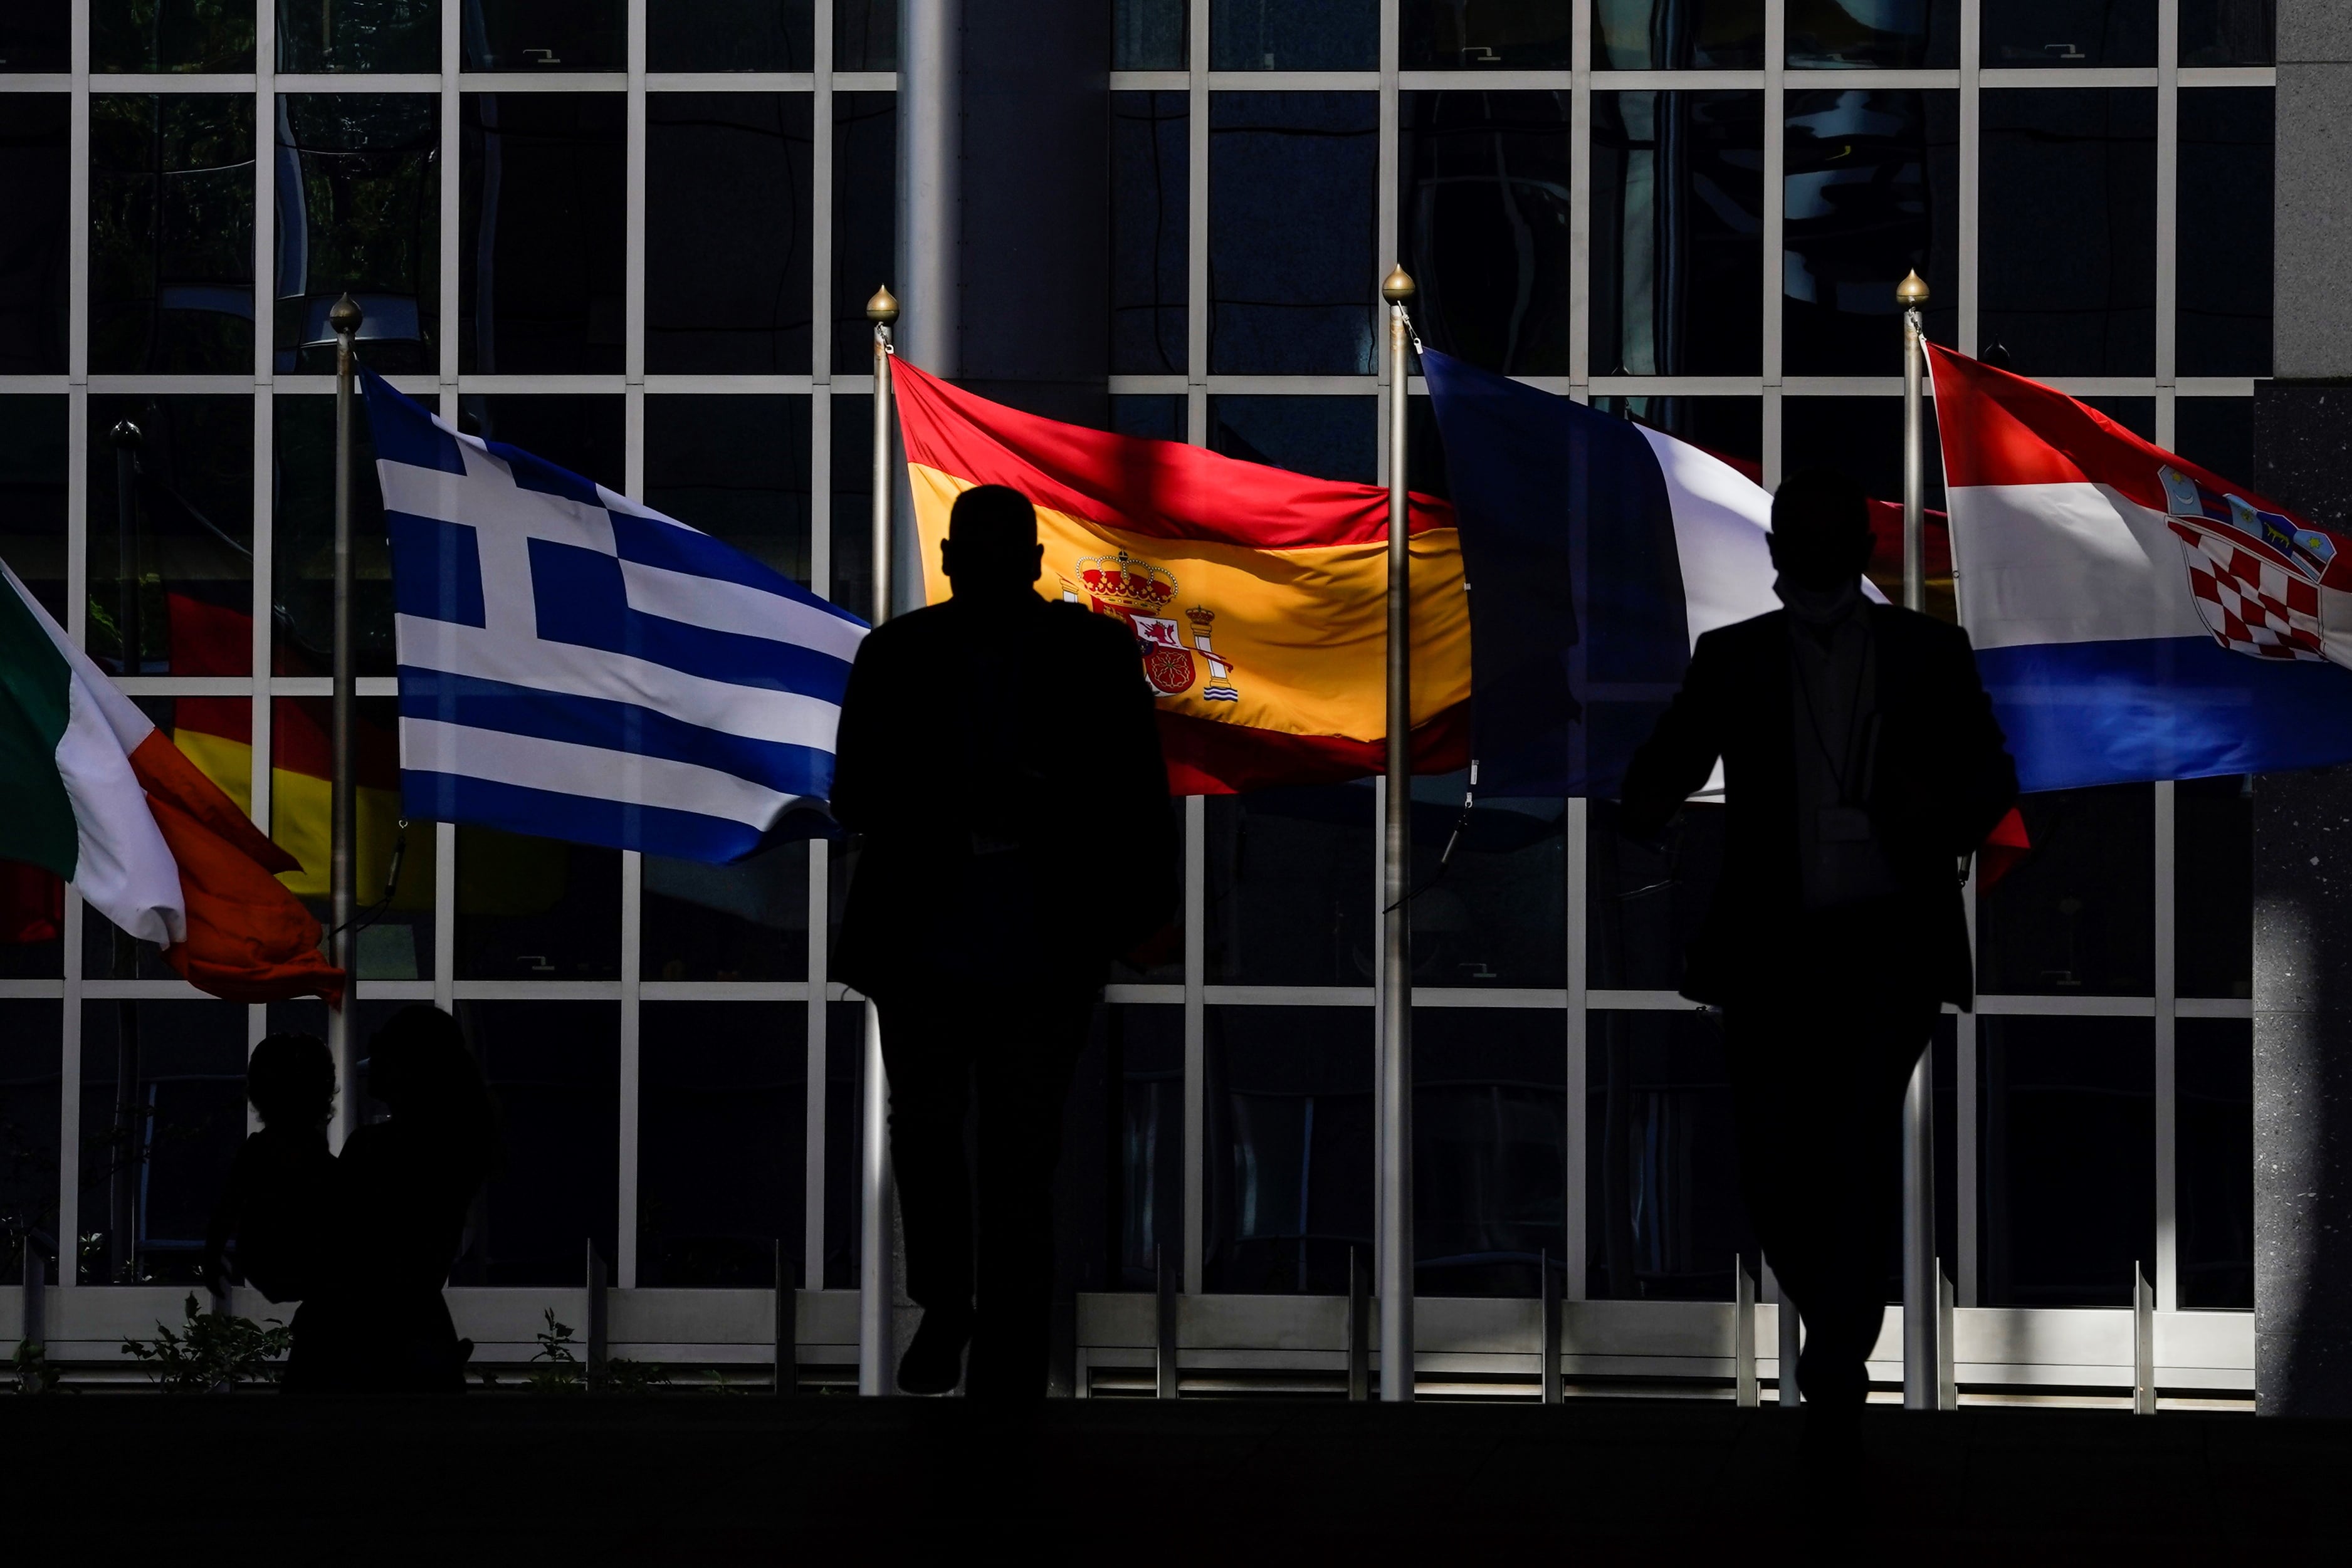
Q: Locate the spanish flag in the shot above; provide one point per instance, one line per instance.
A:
(1258, 597)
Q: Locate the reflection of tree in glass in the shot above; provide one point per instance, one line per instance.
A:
(358, 210)
(359, 36)
(170, 35)
(170, 233)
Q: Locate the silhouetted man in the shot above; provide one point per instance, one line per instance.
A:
(1000, 755)
(1861, 765)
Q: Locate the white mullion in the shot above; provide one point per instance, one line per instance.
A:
(814, 1099)
(2167, 1261)
(445, 908)
(264, 587)
(1774, 262)
(2168, 218)
(632, 879)
(449, 326)
(1971, 171)
(77, 619)
(632, 481)
(1579, 210)
(1196, 229)
(820, 883)
(1196, 1051)
(1576, 1244)
(70, 1048)
(1967, 1162)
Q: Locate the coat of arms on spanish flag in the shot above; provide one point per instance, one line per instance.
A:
(1258, 597)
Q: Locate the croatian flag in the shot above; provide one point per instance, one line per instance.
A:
(2136, 617)
(1596, 552)
(576, 666)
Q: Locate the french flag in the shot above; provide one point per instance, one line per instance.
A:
(1597, 551)
(2136, 617)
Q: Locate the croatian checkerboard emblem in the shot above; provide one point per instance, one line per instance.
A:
(2255, 575)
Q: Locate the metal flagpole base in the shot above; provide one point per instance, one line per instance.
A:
(877, 1285)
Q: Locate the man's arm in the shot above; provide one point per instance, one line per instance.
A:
(860, 741)
(1681, 752)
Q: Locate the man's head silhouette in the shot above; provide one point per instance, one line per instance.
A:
(1820, 528)
(992, 545)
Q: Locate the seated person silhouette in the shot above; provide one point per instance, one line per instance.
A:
(271, 1227)
(1861, 765)
(380, 1323)
(1000, 756)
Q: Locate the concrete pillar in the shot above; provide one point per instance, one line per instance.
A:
(2302, 823)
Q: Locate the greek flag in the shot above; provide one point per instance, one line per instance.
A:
(576, 666)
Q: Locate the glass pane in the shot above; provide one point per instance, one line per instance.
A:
(582, 434)
(1293, 285)
(1661, 1177)
(397, 863)
(2072, 918)
(36, 35)
(728, 246)
(302, 626)
(732, 36)
(2069, 241)
(162, 1113)
(1863, 438)
(865, 36)
(2226, 177)
(1677, 233)
(1329, 437)
(748, 921)
(1290, 887)
(1732, 428)
(1155, 416)
(1166, 951)
(2215, 1083)
(546, 34)
(864, 217)
(1885, 35)
(31, 1051)
(543, 198)
(34, 171)
(1645, 905)
(853, 507)
(32, 923)
(170, 233)
(190, 548)
(1496, 915)
(1487, 219)
(737, 468)
(358, 209)
(1294, 35)
(2062, 33)
(2137, 414)
(1677, 35)
(307, 1015)
(33, 461)
(2213, 860)
(1148, 35)
(845, 1077)
(1150, 219)
(1288, 1161)
(1873, 190)
(2229, 32)
(2216, 433)
(1126, 1150)
(1519, 35)
(171, 34)
(360, 35)
(722, 1138)
(534, 909)
(2068, 1113)
(555, 1070)
(1489, 1149)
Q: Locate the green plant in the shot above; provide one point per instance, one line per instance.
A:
(34, 1373)
(619, 1376)
(564, 1373)
(213, 1351)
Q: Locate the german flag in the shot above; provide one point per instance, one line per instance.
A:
(1258, 597)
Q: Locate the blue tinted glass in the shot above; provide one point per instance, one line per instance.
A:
(171, 34)
(541, 259)
(727, 249)
(170, 233)
(1148, 35)
(731, 35)
(162, 1113)
(1677, 34)
(1888, 35)
(1149, 210)
(2216, 1170)
(545, 35)
(1293, 282)
(1290, 886)
(736, 466)
(1872, 185)
(2062, 32)
(2071, 919)
(1487, 225)
(1288, 1162)
(722, 1132)
(1294, 35)
(2229, 32)
(1154, 416)
(864, 217)
(555, 1068)
(36, 169)
(1677, 233)
(360, 35)
(1661, 1185)
(1489, 1149)
(1472, 35)
(2226, 173)
(2213, 845)
(2216, 433)
(2068, 209)
(33, 495)
(359, 210)
(191, 543)
(1329, 437)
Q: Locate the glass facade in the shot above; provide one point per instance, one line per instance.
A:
(659, 283)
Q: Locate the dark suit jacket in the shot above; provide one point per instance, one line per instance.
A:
(1942, 776)
(1002, 759)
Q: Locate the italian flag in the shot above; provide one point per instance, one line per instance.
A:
(100, 796)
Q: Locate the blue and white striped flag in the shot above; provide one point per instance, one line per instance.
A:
(576, 666)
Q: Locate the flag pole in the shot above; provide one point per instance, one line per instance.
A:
(1395, 1168)
(342, 906)
(877, 1294)
(1919, 1299)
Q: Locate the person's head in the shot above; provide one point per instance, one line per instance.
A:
(992, 545)
(419, 1065)
(290, 1080)
(1820, 528)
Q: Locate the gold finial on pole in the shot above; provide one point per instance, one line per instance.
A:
(1911, 292)
(882, 307)
(1398, 286)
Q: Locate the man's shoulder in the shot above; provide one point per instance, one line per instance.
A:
(1739, 638)
(1914, 629)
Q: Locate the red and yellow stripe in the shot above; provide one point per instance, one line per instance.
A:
(1273, 586)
